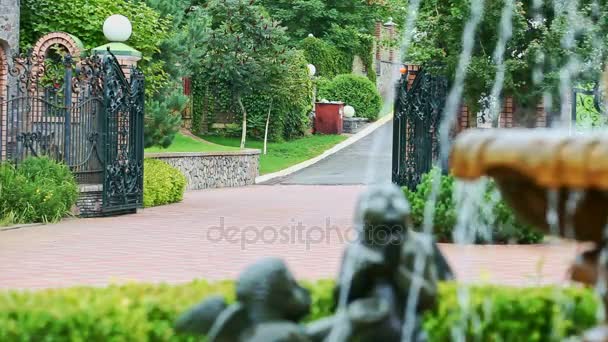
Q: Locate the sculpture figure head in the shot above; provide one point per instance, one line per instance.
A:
(267, 288)
(384, 217)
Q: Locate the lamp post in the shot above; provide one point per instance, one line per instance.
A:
(118, 29)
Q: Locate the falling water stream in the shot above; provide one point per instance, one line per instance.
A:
(474, 207)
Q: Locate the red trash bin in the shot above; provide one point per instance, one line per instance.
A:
(328, 117)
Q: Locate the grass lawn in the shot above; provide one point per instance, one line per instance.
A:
(184, 143)
(282, 155)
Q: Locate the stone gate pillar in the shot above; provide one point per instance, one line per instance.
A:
(9, 45)
(9, 26)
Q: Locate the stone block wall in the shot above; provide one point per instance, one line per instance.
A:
(215, 170)
(9, 25)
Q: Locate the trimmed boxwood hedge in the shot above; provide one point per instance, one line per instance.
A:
(356, 91)
(143, 312)
(163, 184)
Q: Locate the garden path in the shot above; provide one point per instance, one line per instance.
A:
(368, 161)
(178, 243)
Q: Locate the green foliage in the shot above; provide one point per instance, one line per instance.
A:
(356, 91)
(354, 43)
(39, 190)
(498, 218)
(544, 46)
(180, 50)
(143, 312)
(303, 17)
(244, 51)
(84, 19)
(328, 60)
(184, 143)
(282, 155)
(290, 101)
(163, 119)
(163, 184)
(497, 313)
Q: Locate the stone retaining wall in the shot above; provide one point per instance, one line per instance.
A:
(211, 170)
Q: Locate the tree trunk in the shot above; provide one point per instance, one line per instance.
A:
(244, 129)
(267, 124)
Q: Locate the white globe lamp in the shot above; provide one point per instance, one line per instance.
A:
(117, 28)
(349, 111)
(312, 70)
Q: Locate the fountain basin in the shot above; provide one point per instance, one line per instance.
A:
(529, 165)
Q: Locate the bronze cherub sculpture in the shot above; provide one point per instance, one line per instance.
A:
(388, 268)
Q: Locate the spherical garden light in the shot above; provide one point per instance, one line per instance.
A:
(117, 28)
(349, 111)
(312, 70)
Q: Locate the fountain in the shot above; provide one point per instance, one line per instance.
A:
(539, 171)
(377, 275)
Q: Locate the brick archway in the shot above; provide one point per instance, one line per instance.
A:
(72, 44)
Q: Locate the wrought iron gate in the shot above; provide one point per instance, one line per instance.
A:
(588, 105)
(124, 143)
(418, 112)
(82, 112)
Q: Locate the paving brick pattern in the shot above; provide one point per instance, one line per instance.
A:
(179, 243)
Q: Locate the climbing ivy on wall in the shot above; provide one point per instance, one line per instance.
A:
(291, 104)
(84, 19)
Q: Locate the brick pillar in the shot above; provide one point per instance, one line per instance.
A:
(463, 119)
(541, 115)
(127, 63)
(378, 57)
(506, 117)
(391, 34)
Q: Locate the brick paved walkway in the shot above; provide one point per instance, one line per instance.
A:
(178, 243)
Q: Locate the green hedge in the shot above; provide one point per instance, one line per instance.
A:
(328, 59)
(291, 105)
(163, 184)
(141, 312)
(505, 227)
(39, 190)
(356, 91)
(510, 314)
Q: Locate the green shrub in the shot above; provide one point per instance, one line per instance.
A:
(163, 184)
(143, 312)
(510, 314)
(356, 91)
(504, 225)
(328, 59)
(38, 191)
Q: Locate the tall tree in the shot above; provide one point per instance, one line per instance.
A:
(243, 50)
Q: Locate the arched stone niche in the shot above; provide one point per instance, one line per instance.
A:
(70, 43)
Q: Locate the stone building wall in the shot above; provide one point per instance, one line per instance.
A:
(214, 170)
(9, 25)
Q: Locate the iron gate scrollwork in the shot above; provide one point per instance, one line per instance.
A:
(124, 146)
(589, 102)
(418, 113)
(82, 112)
